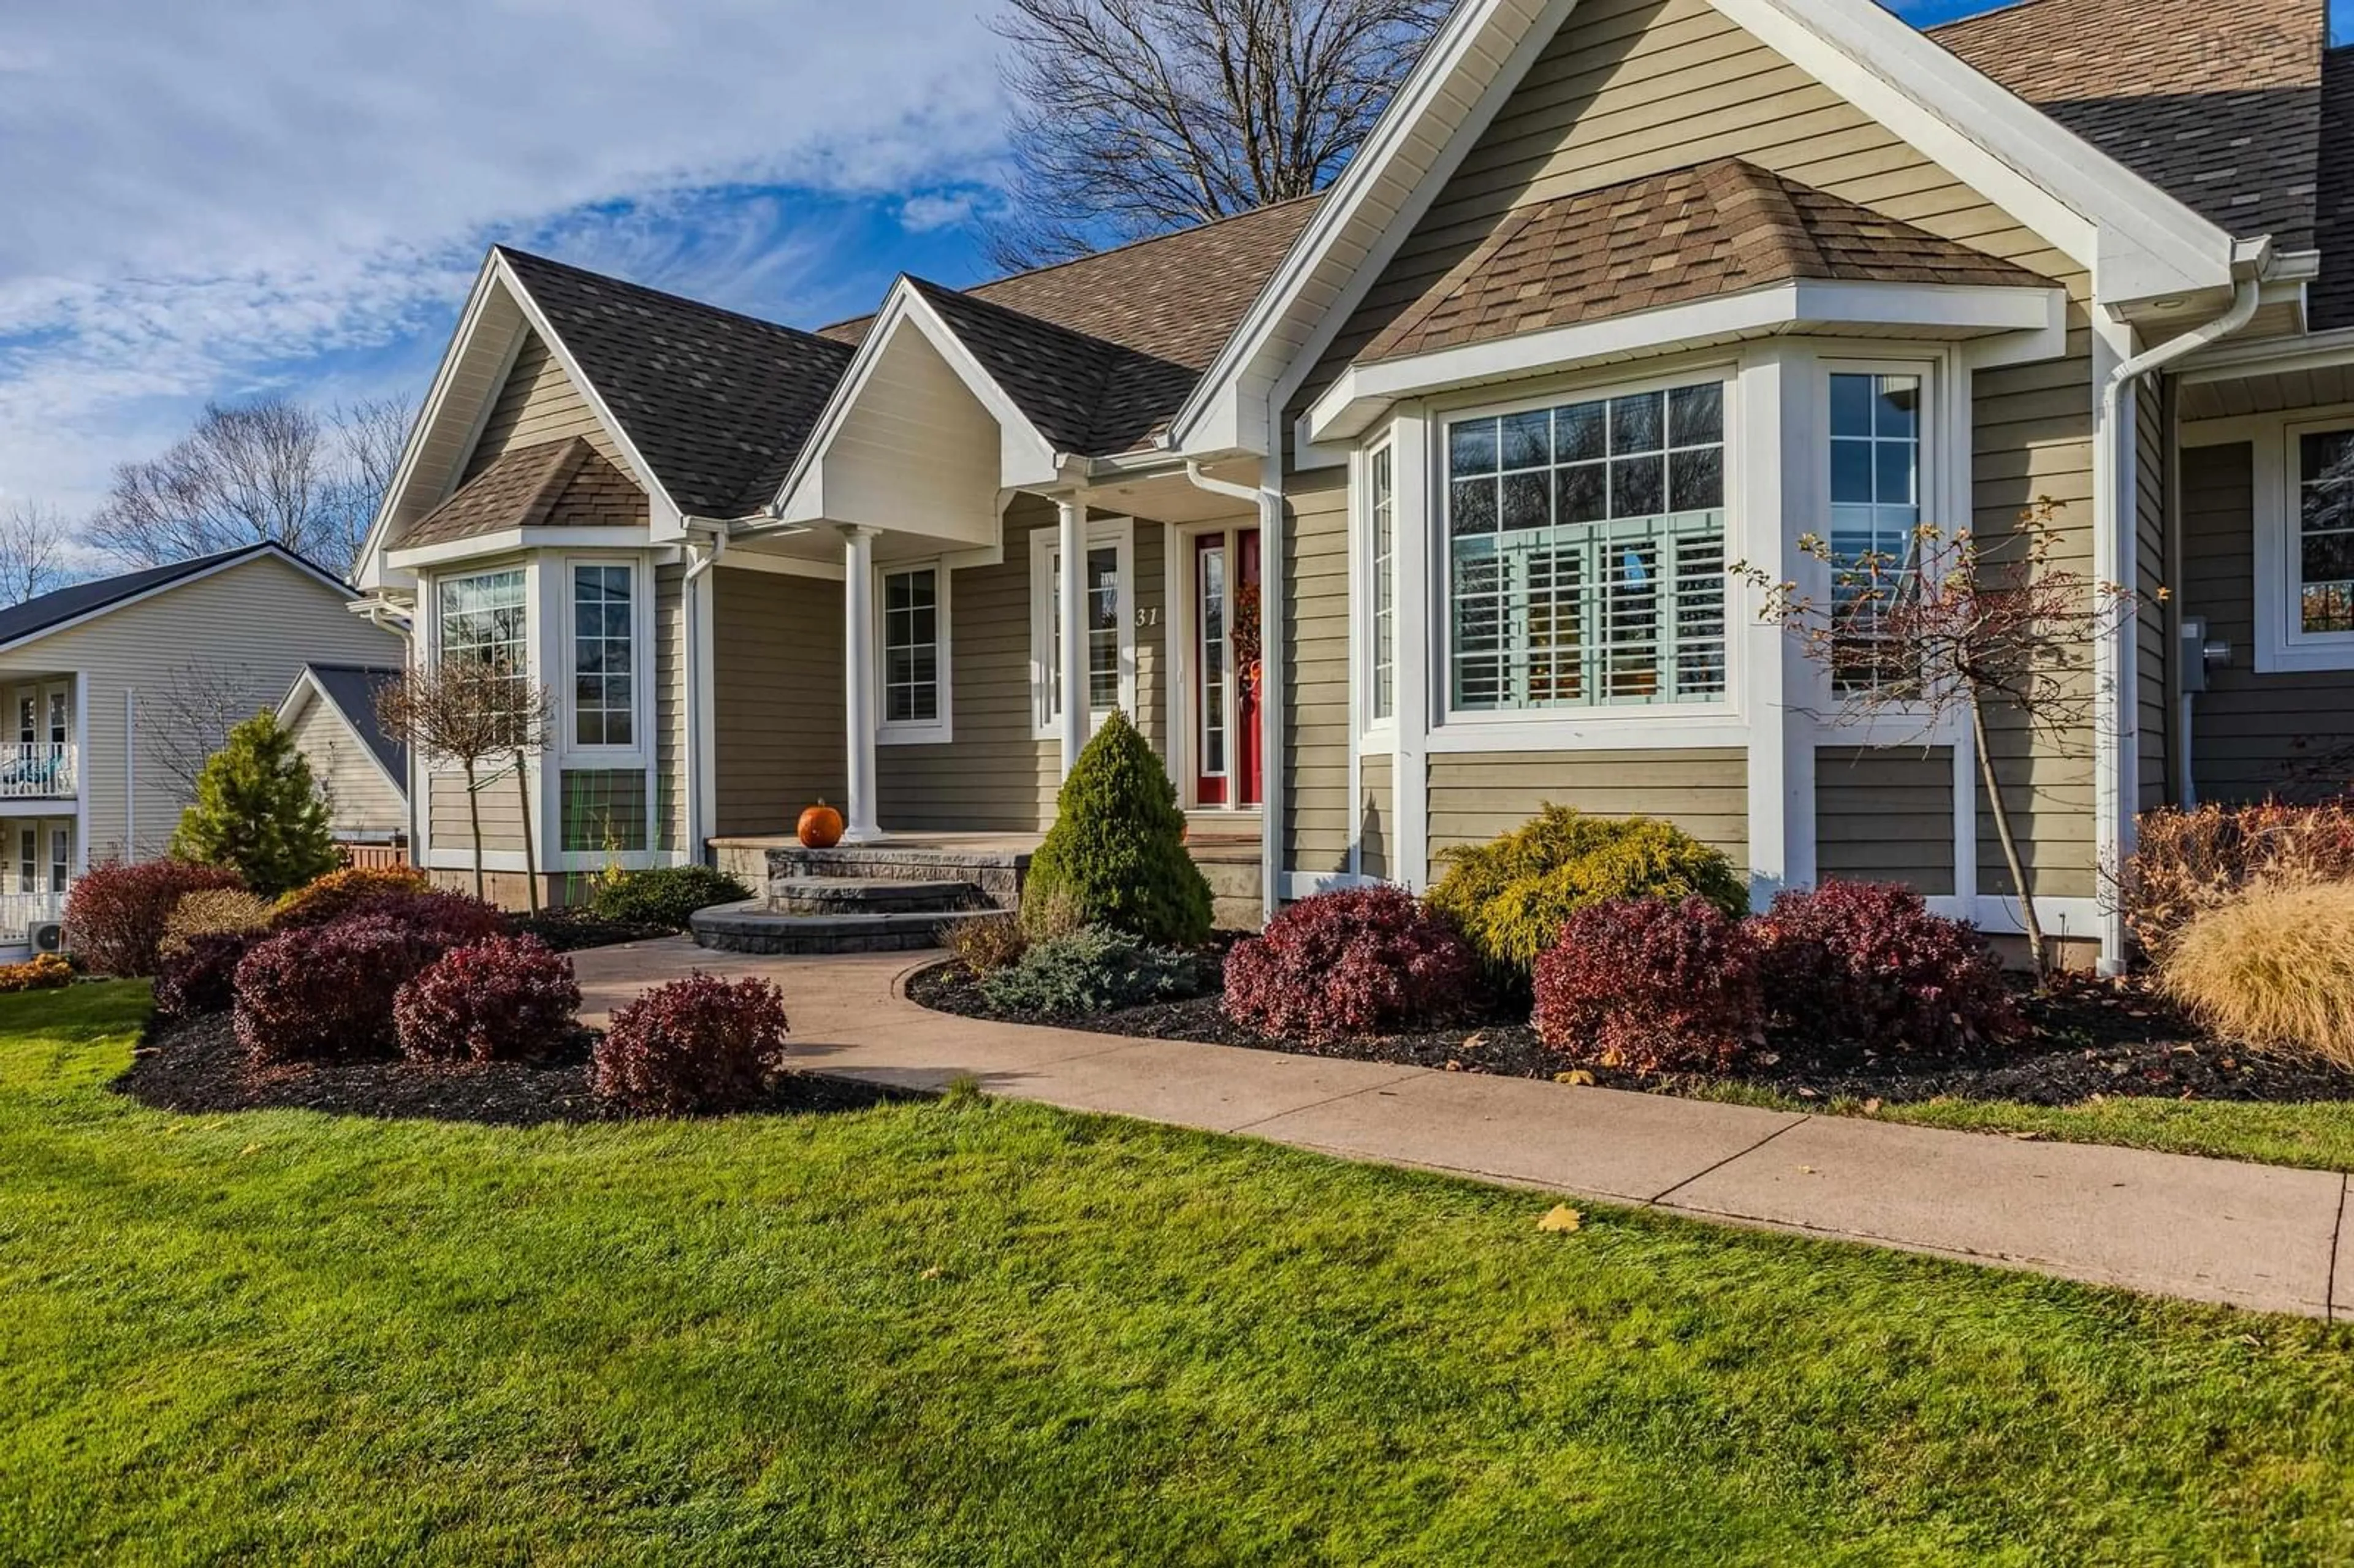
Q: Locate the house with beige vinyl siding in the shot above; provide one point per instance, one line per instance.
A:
(114, 689)
(1396, 513)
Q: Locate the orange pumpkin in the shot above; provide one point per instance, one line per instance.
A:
(821, 826)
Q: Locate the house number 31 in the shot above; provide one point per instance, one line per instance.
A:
(1150, 616)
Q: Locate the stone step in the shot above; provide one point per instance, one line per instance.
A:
(871, 895)
(997, 874)
(753, 928)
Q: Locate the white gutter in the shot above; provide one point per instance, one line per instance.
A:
(2115, 558)
(1268, 495)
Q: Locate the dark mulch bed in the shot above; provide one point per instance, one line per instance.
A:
(570, 930)
(2089, 1038)
(197, 1066)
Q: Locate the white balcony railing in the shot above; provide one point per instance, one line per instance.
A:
(37, 769)
(20, 912)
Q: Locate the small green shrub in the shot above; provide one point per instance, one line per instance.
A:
(259, 811)
(1116, 856)
(1511, 896)
(665, 894)
(1093, 969)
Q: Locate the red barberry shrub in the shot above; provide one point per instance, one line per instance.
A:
(1354, 963)
(331, 896)
(115, 914)
(504, 999)
(1865, 963)
(199, 975)
(1650, 986)
(326, 992)
(452, 920)
(695, 1044)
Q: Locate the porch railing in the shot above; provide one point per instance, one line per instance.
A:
(19, 912)
(37, 769)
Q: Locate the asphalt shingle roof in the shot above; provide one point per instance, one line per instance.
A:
(556, 485)
(352, 688)
(717, 403)
(1713, 229)
(45, 612)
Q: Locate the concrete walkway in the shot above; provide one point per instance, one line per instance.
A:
(2210, 1230)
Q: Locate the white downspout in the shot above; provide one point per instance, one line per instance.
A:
(386, 618)
(2116, 559)
(702, 555)
(1268, 496)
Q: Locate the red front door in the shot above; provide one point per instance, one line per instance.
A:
(1226, 697)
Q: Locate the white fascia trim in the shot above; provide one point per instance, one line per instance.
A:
(2138, 241)
(509, 540)
(2236, 357)
(667, 512)
(800, 497)
(1462, 47)
(1364, 391)
(365, 570)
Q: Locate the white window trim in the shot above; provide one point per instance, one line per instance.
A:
(1655, 726)
(941, 728)
(641, 681)
(1376, 732)
(1120, 532)
(2282, 645)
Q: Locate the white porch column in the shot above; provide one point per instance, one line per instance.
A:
(858, 680)
(1071, 609)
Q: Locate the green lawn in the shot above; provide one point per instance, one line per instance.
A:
(993, 1333)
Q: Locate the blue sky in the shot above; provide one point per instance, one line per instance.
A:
(214, 201)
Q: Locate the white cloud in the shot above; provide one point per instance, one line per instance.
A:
(208, 199)
(934, 210)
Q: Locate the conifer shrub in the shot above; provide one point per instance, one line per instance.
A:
(1511, 895)
(199, 975)
(331, 896)
(259, 811)
(664, 895)
(116, 914)
(1866, 963)
(697, 1045)
(1646, 985)
(505, 1000)
(1116, 856)
(1092, 970)
(325, 992)
(1354, 963)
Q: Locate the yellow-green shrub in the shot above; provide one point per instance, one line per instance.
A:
(1511, 895)
(42, 971)
(225, 911)
(2275, 968)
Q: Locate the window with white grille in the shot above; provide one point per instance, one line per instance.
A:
(1585, 553)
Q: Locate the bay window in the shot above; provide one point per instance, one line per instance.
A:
(1585, 551)
(1875, 467)
(482, 617)
(1381, 549)
(604, 666)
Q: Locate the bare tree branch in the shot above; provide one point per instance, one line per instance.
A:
(36, 553)
(1135, 117)
(183, 722)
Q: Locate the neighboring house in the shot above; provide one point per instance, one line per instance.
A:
(1618, 292)
(113, 688)
(361, 770)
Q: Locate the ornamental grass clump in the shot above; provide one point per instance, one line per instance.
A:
(694, 1045)
(1510, 896)
(2274, 967)
(505, 1000)
(1360, 961)
(1116, 856)
(1865, 963)
(212, 911)
(1645, 985)
(1091, 970)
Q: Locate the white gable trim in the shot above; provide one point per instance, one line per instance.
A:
(1363, 391)
(507, 541)
(266, 551)
(1025, 457)
(306, 692)
(367, 570)
(2137, 241)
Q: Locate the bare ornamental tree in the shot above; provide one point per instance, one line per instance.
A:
(271, 470)
(469, 713)
(1955, 626)
(1135, 117)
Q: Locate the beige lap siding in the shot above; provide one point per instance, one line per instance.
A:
(778, 700)
(2150, 653)
(996, 774)
(1375, 830)
(538, 403)
(361, 802)
(1319, 801)
(1886, 814)
(670, 707)
(501, 815)
(2250, 736)
(1476, 797)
